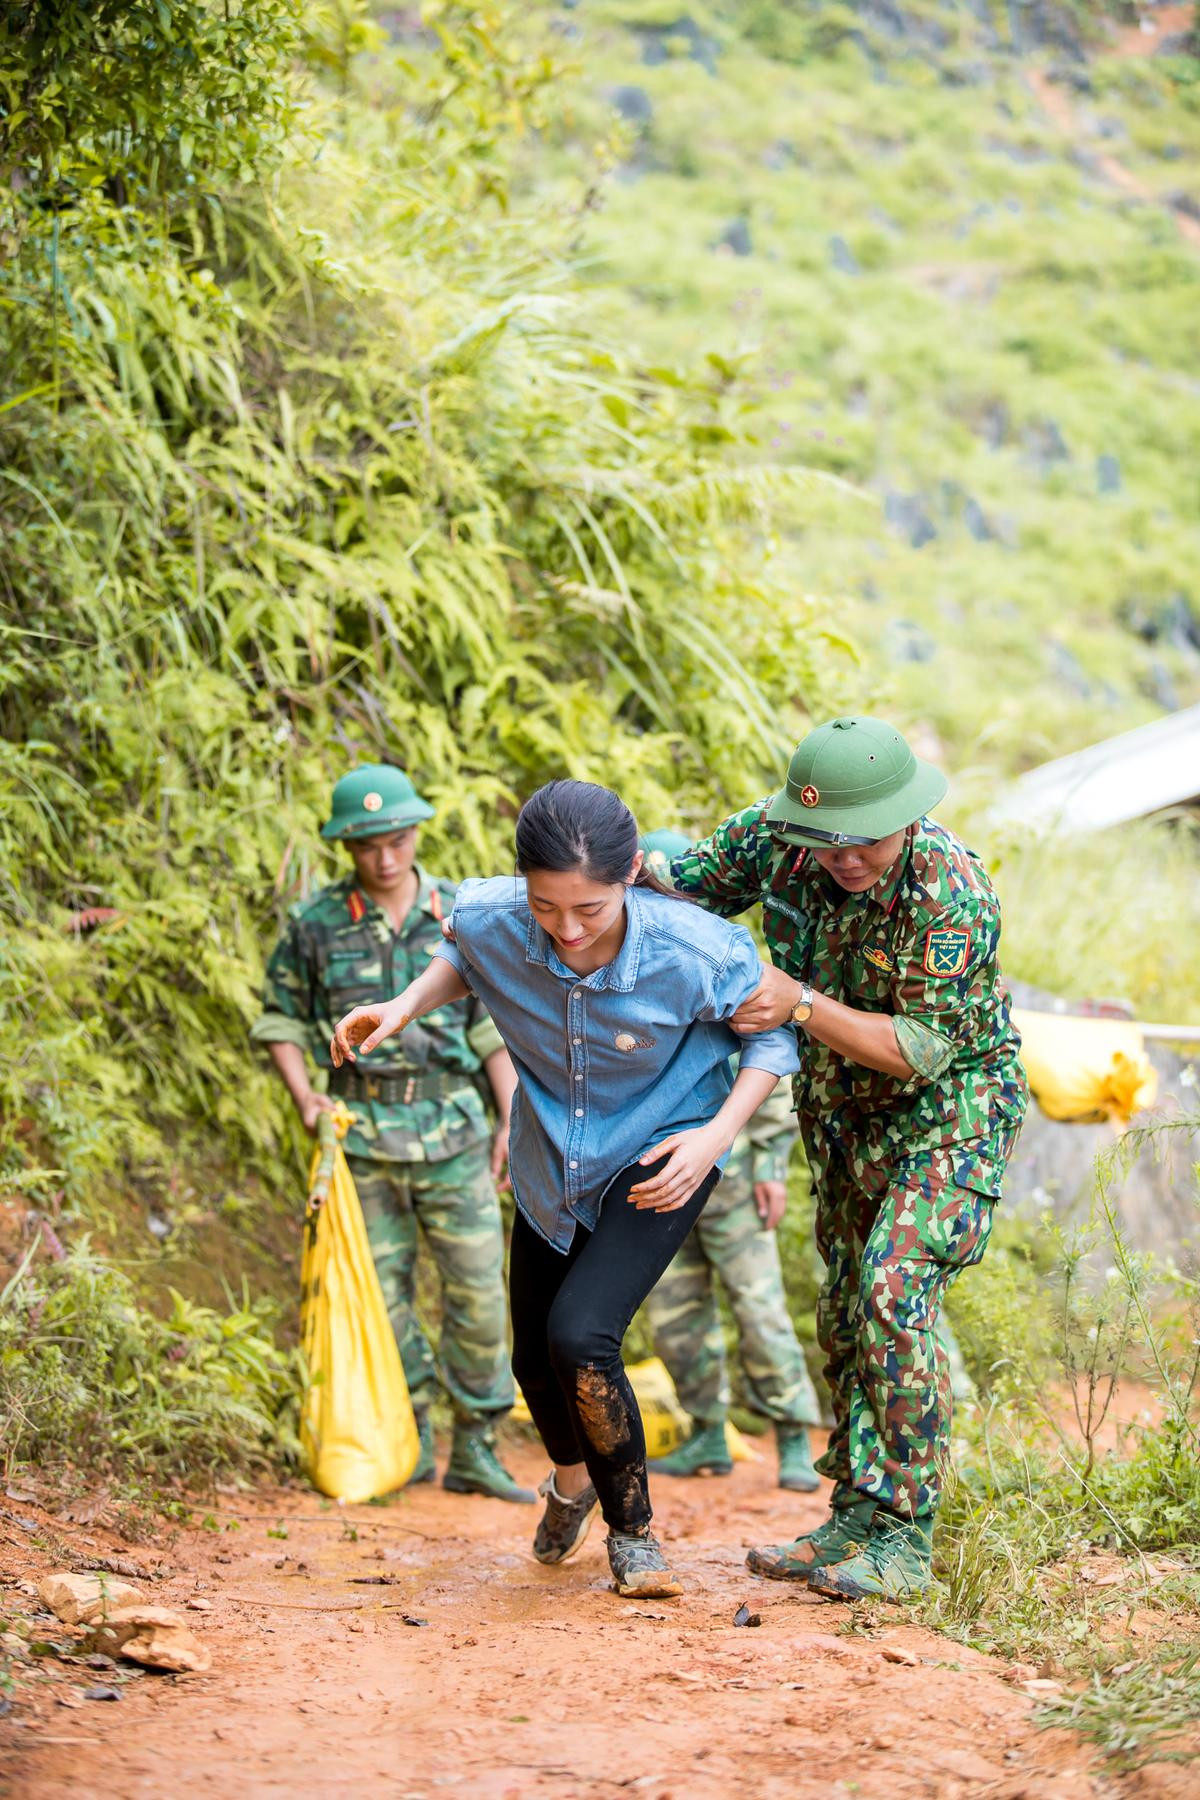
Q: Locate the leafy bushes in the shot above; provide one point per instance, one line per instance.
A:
(310, 452)
(85, 1369)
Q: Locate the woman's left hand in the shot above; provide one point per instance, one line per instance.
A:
(690, 1154)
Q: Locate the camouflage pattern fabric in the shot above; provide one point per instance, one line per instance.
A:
(888, 1265)
(904, 1172)
(340, 950)
(453, 1201)
(728, 1242)
(922, 945)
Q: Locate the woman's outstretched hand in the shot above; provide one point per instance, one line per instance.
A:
(690, 1155)
(365, 1027)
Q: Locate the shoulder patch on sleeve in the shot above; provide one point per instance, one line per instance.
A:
(946, 948)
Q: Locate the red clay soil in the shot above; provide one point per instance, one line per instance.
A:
(521, 1680)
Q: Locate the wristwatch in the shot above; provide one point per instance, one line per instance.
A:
(801, 1013)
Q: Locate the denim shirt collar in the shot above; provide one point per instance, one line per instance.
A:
(620, 974)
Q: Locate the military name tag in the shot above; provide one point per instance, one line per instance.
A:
(946, 949)
(785, 907)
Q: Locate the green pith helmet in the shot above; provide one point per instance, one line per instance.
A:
(372, 800)
(661, 848)
(852, 781)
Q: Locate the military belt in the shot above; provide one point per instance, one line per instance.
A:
(398, 1088)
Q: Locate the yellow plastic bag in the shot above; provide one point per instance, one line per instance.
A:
(357, 1430)
(663, 1419)
(1086, 1070)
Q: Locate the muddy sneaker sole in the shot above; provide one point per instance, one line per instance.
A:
(649, 1584)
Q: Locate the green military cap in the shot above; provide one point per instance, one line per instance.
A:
(374, 799)
(852, 781)
(660, 849)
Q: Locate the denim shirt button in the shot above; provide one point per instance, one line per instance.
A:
(574, 1165)
(579, 1112)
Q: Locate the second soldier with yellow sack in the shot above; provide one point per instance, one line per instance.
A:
(734, 1241)
(421, 1151)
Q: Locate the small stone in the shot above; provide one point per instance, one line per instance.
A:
(198, 1604)
(102, 1693)
(155, 1637)
(82, 1599)
(896, 1653)
(736, 238)
(842, 257)
(1108, 474)
(633, 103)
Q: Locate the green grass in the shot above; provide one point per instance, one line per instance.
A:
(990, 288)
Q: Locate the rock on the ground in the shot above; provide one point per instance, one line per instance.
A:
(632, 102)
(1108, 474)
(736, 237)
(154, 1636)
(82, 1599)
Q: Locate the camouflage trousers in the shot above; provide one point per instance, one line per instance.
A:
(889, 1262)
(454, 1202)
(728, 1241)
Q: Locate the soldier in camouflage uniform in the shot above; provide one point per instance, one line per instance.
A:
(734, 1239)
(883, 929)
(421, 1148)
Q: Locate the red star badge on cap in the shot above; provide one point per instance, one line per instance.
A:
(809, 795)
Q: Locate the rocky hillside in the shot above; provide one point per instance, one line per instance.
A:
(958, 247)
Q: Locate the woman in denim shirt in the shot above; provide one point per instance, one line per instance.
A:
(612, 996)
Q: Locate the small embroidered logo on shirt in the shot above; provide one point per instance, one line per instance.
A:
(946, 951)
(881, 959)
(626, 1041)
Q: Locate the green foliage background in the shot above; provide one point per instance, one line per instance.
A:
(310, 451)
(385, 395)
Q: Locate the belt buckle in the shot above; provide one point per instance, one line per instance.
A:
(372, 1088)
(410, 1088)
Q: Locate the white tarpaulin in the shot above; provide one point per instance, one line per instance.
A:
(1126, 777)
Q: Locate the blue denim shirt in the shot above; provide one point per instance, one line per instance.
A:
(610, 1063)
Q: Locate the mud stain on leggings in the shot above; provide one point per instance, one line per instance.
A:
(603, 1411)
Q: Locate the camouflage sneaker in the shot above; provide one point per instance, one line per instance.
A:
(476, 1469)
(796, 1472)
(704, 1453)
(565, 1523)
(640, 1571)
(843, 1534)
(894, 1564)
(426, 1469)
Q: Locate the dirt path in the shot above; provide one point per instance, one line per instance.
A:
(524, 1681)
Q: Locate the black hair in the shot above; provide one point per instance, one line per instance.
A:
(570, 825)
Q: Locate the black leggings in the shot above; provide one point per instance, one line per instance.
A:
(570, 1313)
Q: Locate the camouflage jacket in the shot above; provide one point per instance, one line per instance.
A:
(921, 945)
(340, 950)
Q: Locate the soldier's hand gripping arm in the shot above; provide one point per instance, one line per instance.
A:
(861, 1037)
(367, 1026)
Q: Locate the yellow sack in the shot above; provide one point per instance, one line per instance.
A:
(357, 1430)
(663, 1419)
(1086, 1070)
